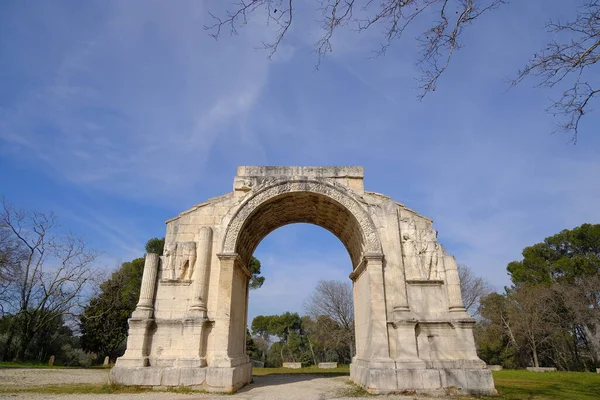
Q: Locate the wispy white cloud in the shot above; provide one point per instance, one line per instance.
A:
(135, 101)
(140, 101)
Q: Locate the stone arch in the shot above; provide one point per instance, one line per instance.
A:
(321, 203)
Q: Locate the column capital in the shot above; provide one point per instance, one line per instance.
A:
(237, 260)
(373, 257)
(229, 257)
(368, 258)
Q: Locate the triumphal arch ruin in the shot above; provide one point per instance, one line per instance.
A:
(412, 331)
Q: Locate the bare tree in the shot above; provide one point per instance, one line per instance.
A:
(48, 280)
(438, 42)
(334, 299)
(532, 314)
(581, 300)
(11, 257)
(570, 58)
(473, 288)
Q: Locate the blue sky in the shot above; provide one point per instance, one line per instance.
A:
(118, 115)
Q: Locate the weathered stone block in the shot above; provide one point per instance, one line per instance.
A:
(141, 376)
(170, 377)
(328, 365)
(293, 365)
(541, 369)
(192, 376)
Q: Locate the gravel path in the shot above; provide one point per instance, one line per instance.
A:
(28, 377)
(288, 387)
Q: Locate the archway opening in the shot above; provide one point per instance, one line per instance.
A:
(309, 207)
(301, 207)
(300, 262)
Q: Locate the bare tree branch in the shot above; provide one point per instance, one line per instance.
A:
(570, 61)
(472, 288)
(438, 42)
(49, 274)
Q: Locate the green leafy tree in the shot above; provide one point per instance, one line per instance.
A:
(104, 321)
(274, 359)
(568, 263)
(251, 348)
(287, 327)
(327, 339)
(551, 314)
(256, 281)
(494, 336)
(568, 256)
(155, 245)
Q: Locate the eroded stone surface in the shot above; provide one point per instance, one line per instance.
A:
(412, 331)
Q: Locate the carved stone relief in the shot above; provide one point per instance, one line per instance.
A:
(421, 251)
(178, 260)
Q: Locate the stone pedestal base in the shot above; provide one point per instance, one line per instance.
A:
(227, 380)
(430, 381)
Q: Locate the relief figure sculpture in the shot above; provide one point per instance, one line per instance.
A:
(178, 260)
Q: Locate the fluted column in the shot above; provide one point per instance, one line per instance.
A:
(453, 285)
(141, 320)
(145, 306)
(204, 249)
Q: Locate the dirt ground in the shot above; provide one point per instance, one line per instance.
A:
(289, 387)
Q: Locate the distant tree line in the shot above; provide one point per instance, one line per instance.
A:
(326, 334)
(550, 316)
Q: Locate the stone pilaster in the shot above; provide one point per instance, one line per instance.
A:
(401, 300)
(221, 356)
(204, 246)
(378, 339)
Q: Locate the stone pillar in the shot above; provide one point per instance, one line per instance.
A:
(378, 346)
(453, 285)
(222, 332)
(204, 248)
(145, 306)
(372, 367)
(228, 365)
(141, 320)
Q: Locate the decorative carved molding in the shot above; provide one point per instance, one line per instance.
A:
(425, 282)
(337, 193)
(175, 282)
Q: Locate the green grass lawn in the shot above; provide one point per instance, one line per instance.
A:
(78, 388)
(512, 384)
